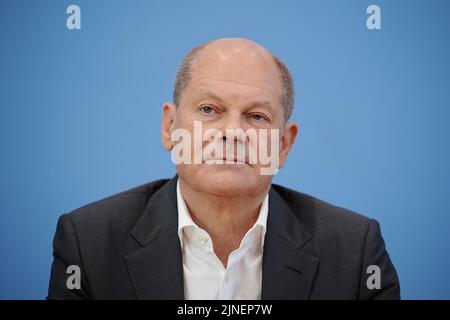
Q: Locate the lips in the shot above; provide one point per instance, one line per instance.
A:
(224, 160)
(226, 153)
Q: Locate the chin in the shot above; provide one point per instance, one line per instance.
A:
(224, 180)
(229, 181)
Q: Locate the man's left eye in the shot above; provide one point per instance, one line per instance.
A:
(258, 117)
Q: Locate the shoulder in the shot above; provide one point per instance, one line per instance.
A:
(119, 211)
(321, 217)
(339, 236)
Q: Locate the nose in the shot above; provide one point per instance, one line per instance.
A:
(234, 128)
(233, 120)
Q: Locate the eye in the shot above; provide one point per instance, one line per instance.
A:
(258, 117)
(207, 109)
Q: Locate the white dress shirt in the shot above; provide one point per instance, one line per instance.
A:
(205, 277)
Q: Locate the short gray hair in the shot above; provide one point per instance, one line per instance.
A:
(184, 76)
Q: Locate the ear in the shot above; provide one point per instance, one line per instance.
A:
(169, 112)
(287, 141)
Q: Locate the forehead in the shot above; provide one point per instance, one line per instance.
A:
(236, 72)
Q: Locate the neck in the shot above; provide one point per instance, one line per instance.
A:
(226, 220)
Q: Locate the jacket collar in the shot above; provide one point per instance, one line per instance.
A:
(156, 267)
(289, 264)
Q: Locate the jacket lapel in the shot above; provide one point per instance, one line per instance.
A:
(156, 267)
(289, 265)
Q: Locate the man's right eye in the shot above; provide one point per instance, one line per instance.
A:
(207, 109)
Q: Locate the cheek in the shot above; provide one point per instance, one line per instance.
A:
(267, 143)
(185, 116)
(182, 121)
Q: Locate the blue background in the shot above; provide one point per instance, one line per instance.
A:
(80, 115)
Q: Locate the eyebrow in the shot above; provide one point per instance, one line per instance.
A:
(209, 94)
(253, 104)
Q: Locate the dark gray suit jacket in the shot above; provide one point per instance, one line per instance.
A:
(127, 247)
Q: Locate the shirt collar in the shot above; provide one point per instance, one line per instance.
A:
(185, 219)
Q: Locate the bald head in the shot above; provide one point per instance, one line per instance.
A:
(239, 60)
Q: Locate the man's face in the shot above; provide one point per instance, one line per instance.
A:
(233, 87)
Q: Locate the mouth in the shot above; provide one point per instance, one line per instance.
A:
(225, 161)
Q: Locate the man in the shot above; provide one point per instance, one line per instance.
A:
(220, 229)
